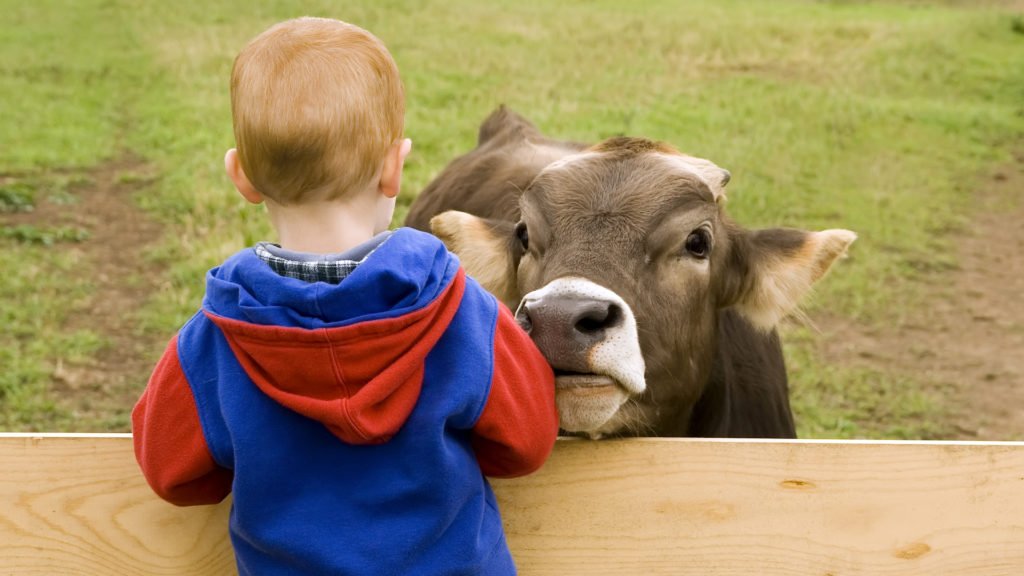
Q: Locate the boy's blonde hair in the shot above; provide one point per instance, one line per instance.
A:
(316, 104)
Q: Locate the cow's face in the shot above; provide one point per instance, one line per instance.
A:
(617, 268)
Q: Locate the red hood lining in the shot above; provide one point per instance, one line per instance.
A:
(296, 336)
(361, 380)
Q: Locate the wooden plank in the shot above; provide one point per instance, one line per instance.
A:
(76, 504)
(79, 505)
(687, 507)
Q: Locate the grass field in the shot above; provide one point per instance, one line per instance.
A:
(877, 117)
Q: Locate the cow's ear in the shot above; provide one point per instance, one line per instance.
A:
(484, 248)
(774, 269)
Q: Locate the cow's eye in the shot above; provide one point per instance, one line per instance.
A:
(523, 235)
(698, 243)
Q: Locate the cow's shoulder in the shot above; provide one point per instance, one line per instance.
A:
(504, 125)
(488, 180)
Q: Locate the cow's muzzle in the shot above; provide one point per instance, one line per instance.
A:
(565, 326)
(588, 334)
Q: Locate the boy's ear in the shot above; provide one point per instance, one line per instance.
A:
(391, 173)
(233, 166)
(776, 269)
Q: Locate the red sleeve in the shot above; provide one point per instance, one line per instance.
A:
(518, 426)
(169, 442)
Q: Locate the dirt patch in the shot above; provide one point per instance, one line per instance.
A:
(100, 392)
(966, 339)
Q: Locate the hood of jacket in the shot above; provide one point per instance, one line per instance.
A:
(349, 355)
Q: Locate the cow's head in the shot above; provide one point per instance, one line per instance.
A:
(618, 266)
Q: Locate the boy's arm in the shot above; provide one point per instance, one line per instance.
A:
(519, 423)
(169, 442)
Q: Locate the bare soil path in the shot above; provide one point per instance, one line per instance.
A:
(966, 340)
(100, 392)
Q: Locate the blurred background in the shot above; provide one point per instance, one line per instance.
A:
(902, 121)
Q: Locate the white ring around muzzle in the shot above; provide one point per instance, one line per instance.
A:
(618, 355)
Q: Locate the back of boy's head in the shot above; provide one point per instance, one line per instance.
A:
(316, 105)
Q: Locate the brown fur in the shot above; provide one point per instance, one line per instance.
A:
(632, 146)
(509, 153)
(619, 215)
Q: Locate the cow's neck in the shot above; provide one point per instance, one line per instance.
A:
(748, 398)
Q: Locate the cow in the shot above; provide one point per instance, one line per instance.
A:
(656, 311)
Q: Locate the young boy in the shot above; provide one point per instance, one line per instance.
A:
(350, 386)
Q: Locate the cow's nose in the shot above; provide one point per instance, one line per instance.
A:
(568, 324)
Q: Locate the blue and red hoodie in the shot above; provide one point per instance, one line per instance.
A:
(353, 422)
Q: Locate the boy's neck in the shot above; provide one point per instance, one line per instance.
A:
(323, 227)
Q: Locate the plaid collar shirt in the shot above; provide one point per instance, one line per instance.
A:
(330, 271)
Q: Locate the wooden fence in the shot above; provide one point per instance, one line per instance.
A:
(76, 504)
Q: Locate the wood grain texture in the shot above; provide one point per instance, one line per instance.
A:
(78, 505)
(773, 508)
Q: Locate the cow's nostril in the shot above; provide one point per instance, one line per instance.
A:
(523, 318)
(615, 316)
(597, 318)
(591, 323)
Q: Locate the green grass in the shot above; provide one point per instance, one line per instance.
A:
(851, 402)
(875, 117)
(45, 235)
(68, 73)
(35, 297)
(17, 197)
